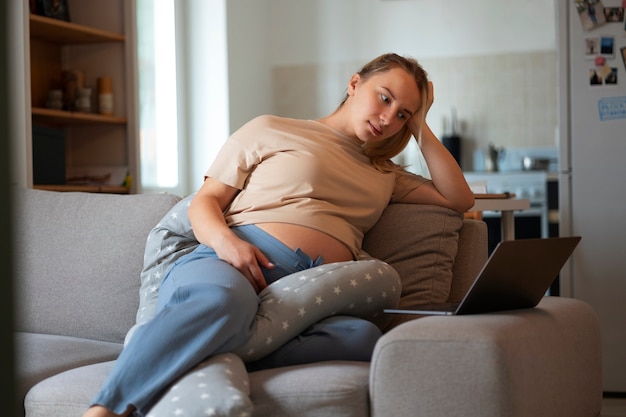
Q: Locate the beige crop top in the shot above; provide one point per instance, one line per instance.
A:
(306, 173)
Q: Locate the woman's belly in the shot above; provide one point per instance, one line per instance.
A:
(312, 242)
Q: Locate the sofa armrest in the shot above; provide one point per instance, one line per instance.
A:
(542, 361)
(470, 258)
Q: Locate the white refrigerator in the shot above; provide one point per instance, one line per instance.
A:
(592, 167)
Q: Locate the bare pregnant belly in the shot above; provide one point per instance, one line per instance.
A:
(313, 242)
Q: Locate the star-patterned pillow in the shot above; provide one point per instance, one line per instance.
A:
(295, 302)
(217, 387)
(170, 239)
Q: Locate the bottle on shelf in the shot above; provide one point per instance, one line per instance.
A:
(105, 95)
(83, 101)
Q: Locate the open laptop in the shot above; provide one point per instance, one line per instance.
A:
(517, 275)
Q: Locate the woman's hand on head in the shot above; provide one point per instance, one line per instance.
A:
(419, 118)
(448, 187)
(430, 99)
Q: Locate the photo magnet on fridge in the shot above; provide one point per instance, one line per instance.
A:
(614, 14)
(607, 46)
(591, 13)
(592, 47)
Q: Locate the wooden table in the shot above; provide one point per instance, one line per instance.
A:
(507, 204)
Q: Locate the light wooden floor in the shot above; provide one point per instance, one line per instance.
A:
(614, 407)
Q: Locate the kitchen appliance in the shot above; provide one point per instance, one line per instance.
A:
(530, 163)
(592, 146)
(492, 158)
(513, 158)
(452, 141)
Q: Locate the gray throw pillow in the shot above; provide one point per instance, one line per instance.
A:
(420, 242)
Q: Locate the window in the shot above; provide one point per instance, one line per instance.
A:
(183, 91)
(158, 116)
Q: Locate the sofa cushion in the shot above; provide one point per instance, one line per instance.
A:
(43, 355)
(67, 394)
(338, 389)
(80, 257)
(420, 242)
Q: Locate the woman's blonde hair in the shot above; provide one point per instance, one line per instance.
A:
(380, 152)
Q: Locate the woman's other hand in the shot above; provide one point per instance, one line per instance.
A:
(210, 228)
(247, 258)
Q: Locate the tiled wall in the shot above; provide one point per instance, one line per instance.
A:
(508, 100)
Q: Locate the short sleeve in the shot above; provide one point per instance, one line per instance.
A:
(239, 155)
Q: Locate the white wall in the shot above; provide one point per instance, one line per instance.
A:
(249, 24)
(320, 31)
(294, 57)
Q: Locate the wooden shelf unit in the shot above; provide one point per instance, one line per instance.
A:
(67, 33)
(66, 118)
(57, 45)
(47, 38)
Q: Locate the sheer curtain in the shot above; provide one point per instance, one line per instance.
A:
(183, 91)
(158, 114)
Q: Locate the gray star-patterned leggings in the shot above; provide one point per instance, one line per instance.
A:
(207, 307)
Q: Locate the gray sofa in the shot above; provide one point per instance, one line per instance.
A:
(78, 263)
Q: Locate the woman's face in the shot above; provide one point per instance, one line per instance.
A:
(382, 104)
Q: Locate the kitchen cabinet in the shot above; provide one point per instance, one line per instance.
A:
(91, 149)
